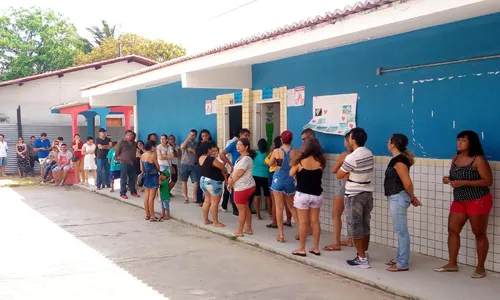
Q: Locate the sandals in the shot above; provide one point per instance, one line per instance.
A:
(332, 248)
(392, 262)
(271, 226)
(153, 219)
(281, 239)
(299, 254)
(186, 201)
(288, 224)
(444, 270)
(248, 232)
(395, 268)
(478, 276)
(235, 236)
(315, 253)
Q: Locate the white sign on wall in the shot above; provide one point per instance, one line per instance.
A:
(300, 95)
(208, 107)
(333, 114)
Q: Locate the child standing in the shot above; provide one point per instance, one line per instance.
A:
(165, 194)
(114, 166)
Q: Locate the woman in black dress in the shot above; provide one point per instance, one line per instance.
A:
(23, 158)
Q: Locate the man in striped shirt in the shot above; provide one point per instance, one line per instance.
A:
(358, 201)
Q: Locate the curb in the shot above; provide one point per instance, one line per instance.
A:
(388, 289)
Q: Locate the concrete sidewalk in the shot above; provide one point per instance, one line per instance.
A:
(419, 283)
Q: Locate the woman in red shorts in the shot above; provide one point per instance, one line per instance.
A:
(470, 178)
(242, 183)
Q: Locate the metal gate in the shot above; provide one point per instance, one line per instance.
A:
(53, 132)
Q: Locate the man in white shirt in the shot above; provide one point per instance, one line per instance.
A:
(358, 201)
(64, 164)
(3, 154)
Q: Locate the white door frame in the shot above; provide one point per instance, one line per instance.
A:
(225, 121)
(255, 138)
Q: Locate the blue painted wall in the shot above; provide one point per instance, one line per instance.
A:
(385, 105)
(170, 109)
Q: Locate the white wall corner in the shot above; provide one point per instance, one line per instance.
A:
(239, 77)
(118, 99)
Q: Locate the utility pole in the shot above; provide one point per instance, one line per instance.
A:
(120, 48)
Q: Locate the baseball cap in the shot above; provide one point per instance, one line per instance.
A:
(166, 172)
(102, 130)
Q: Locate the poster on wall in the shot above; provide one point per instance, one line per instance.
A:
(214, 106)
(208, 107)
(296, 96)
(333, 114)
(300, 95)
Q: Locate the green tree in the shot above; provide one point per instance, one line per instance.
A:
(99, 34)
(35, 41)
(129, 43)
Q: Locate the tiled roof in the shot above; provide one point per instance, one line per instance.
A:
(130, 58)
(329, 17)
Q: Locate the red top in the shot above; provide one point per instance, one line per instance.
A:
(79, 152)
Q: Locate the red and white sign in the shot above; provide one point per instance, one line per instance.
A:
(208, 107)
(300, 94)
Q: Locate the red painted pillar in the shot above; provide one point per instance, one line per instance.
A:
(127, 115)
(74, 123)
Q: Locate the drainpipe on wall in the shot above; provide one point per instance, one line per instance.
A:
(19, 123)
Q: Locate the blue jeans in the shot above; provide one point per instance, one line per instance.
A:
(399, 204)
(102, 172)
(127, 175)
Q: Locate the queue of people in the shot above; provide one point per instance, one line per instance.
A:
(295, 182)
(288, 179)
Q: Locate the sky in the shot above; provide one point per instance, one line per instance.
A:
(196, 24)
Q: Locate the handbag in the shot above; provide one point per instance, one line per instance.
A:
(140, 180)
(74, 158)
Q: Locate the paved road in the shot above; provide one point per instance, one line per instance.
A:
(58, 243)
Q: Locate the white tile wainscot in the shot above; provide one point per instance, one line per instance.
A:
(427, 224)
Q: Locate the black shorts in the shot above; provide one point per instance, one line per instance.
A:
(175, 176)
(261, 183)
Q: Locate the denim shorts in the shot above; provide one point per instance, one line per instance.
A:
(165, 204)
(189, 171)
(213, 187)
(115, 175)
(283, 183)
(3, 161)
(65, 168)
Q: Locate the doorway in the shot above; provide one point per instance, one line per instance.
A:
(267, 121)
(233, 121)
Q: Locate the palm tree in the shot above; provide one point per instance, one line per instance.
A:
(100, 34)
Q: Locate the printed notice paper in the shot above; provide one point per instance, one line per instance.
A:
(333, 114)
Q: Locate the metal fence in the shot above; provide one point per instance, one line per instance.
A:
(53, 132)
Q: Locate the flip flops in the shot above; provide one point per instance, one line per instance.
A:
(395, 268)
(331, 248)
(444, 270)
(299, 254)
(235, 236)
(478, 276)
(315, 253)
